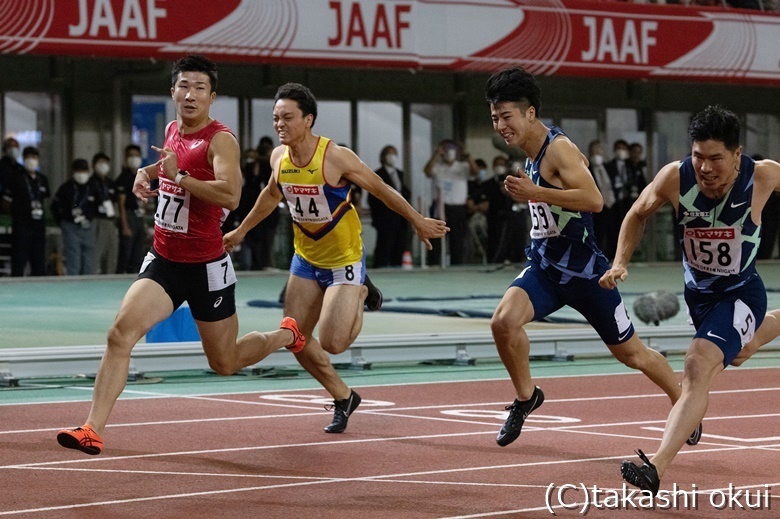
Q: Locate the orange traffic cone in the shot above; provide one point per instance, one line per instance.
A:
(406, 261)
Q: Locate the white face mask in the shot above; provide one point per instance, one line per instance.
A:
(450, 154)
(390, 159)
(81, 178)
(31, 165)
(483, 175)
(499, 170)
(102, 168)
(597, 160)
(13, 153)
(134, 162)
(621, 154)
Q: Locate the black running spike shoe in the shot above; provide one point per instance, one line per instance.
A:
(374, 297)
(342, 409)
(518, 412)
(695, 436)
(643, 476)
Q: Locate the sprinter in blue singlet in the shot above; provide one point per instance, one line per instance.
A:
(564, 262)
(717, 195)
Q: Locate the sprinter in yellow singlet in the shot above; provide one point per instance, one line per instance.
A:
(327, 283)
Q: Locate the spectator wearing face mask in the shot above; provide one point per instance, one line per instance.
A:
(9, 163)
(75, 206)
(619, 175)
(132, 226)
(450, 167)
(476, 207)
(24, 194)
(605, 225)
(106, 230)
(392, 229)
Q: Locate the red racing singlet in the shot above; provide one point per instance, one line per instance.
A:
(186, 229)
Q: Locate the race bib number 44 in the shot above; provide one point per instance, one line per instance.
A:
(715, 251)
(173, 208)
(307, 203)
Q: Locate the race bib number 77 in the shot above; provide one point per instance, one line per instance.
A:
(173, 208)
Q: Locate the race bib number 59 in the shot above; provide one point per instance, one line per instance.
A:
(542, 221)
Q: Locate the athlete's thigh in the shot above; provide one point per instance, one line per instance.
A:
(603, 308)
(219, 337)
(145, 304)
(303, 302)
(536, 290)
(731, 321)
(340, 310)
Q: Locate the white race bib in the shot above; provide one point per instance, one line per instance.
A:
(744, 322)
(542, 221)
(714, 251)
(220, 274)
(173, 208)
(307, 203)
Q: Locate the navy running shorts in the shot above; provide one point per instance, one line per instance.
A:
(602, 308)
(730, 319)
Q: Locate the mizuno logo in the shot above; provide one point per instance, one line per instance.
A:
(218, 302)
(733, 205)
(312, 170)
(710, 334)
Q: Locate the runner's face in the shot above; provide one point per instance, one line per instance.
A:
(716, 167)
(289, 122)
(192, 95)
(510, 122)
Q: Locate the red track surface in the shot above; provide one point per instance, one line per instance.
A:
(418, 450)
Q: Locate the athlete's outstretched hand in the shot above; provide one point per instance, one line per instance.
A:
(430, 228)
(610, 278)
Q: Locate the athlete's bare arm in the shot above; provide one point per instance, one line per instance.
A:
(224, 156)
(563, 166)
(662, 190)
(268, 199)
(766, 178)
(342, 164)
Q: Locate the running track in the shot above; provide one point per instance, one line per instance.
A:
(411, 451)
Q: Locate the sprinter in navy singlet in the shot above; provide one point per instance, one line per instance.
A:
(717, 194)
(564, 262)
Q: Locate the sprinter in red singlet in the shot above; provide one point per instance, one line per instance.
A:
(199, 182)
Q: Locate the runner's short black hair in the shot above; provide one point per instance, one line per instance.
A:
(301, 95)
(514, 85)
(195, 63)
(717, 124)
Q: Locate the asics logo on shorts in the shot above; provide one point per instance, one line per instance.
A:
(218, 302)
